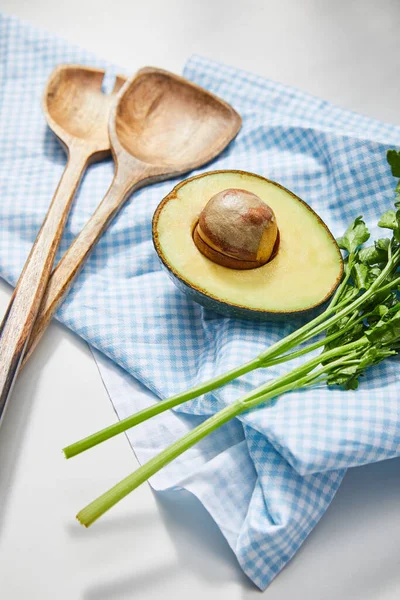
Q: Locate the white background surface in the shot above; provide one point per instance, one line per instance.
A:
(167, 547)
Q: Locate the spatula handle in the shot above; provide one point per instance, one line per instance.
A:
(71, 263)
(25, 302)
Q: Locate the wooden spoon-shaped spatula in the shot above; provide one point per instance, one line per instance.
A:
(77, 111)
(161, 126)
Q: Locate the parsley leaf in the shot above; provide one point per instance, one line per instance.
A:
(355, 235)
(388, 220)
(393, 158)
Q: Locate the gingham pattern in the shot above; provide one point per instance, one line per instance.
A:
(261, 478)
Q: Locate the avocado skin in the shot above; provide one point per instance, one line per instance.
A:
(237, 312)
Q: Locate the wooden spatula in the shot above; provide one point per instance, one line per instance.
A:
(77, 111)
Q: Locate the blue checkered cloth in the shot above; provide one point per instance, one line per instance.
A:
(269, 476)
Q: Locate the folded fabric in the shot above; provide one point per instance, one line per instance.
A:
(267, 477)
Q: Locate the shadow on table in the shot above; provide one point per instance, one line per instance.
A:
(190, 526)
(199, 547)
(112, 525)
(13, 431)
(132, 585)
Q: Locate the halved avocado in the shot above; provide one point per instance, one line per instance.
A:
(304, 272)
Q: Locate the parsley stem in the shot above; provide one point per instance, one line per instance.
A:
(270, 357)
(155, 409)
(98, 507)
(343, 283)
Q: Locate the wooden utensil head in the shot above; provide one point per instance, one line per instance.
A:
(169, 123)
(77, 110)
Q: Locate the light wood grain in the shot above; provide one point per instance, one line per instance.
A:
(77, 112)
(161, 126)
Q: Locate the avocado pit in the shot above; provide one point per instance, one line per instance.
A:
(236, 229)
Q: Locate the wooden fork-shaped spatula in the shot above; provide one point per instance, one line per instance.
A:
(77, 111)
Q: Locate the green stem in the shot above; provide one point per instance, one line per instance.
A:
(309, 379)
(98, 507)
(349, 351)
(268, 358)
(389, 286)
(161, 406)
(339, 291)
(155, 409)
(307, 349)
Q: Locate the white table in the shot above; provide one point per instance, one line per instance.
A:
(166, 546)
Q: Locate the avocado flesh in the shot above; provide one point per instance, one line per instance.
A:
(305, 271)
